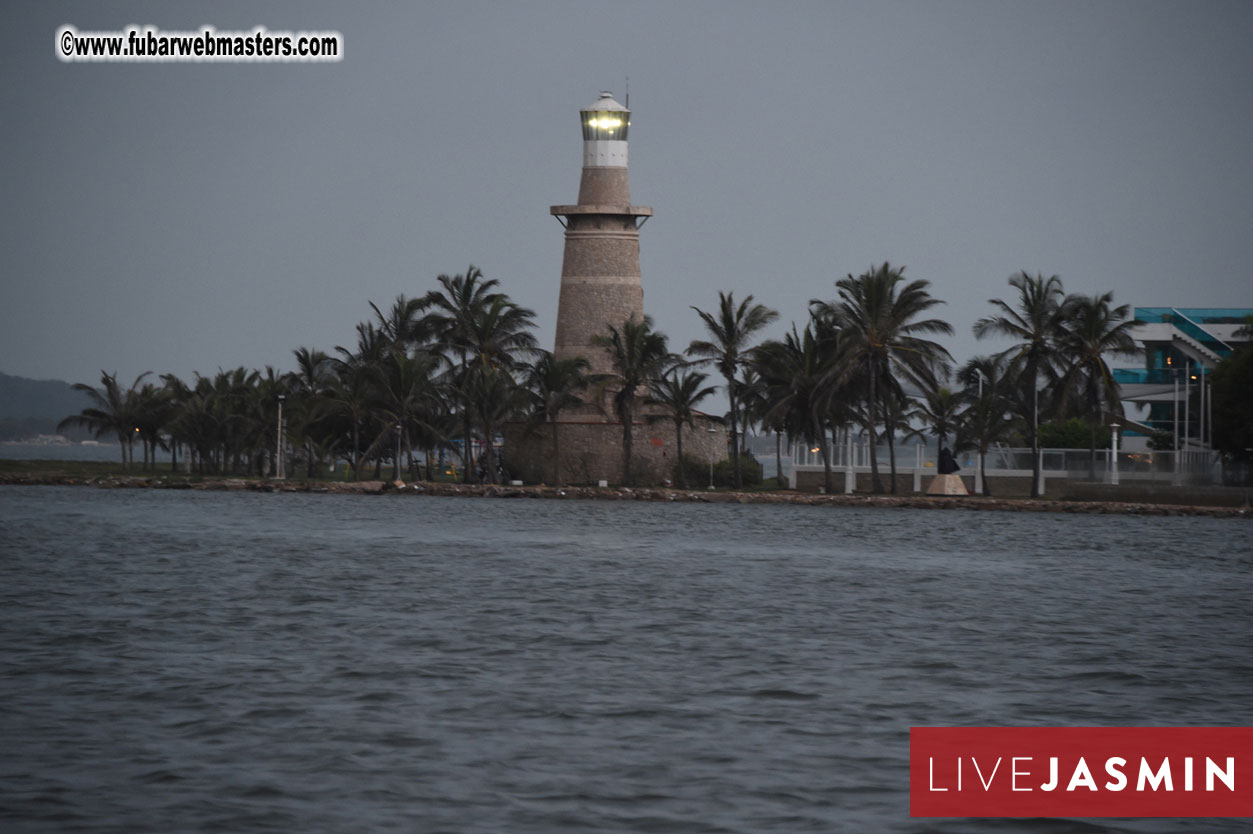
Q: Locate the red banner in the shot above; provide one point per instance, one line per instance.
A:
(1081, 771)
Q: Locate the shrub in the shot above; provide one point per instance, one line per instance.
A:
(1072, 434)
(696, 473)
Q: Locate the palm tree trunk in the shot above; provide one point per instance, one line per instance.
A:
(556, 455)
(891, 435)
(489, 454)
(679, 479)
(825, 448)
(735, 434)
(356, 450)
(1033, 374)
(983, 470)
(778, 459)
(467, 453)
(627, 441)
(875, 483)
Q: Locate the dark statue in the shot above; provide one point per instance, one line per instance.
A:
(947, 464)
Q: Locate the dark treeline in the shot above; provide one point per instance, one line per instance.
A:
(444, 372)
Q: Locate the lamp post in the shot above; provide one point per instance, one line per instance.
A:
(1187, 394)
(278, 441)
(711, 461)
(1114, 426)
(1174, 415)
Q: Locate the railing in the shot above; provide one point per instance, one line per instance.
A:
(1188, 327)
(1185, 467)
(1144, 376)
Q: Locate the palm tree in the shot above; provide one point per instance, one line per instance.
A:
(405, 392)
(176, 394)
(114, 411)
(231, 394)
(1036, 324)
(881, 338)
(896, 415)
(350, 398)
(554, 385)
(637, 353)
(476, 324)
(493, 397)
(799, 376)
(758, 411)
(730, 330)
(679, 392)
(940, 409)
(987, 420)
(308, 385)
(1092, 330)
(403, 323)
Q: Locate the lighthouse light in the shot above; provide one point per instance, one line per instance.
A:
(605, 124)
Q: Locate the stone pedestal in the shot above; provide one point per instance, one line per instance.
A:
(947, 485)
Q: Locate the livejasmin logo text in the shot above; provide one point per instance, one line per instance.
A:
(1081, 776)
(1081, 771)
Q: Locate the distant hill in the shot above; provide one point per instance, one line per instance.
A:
(22, 398)
(34, 406)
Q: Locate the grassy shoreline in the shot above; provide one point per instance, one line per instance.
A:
(106, 475)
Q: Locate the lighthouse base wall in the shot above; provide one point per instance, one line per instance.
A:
(591, 451)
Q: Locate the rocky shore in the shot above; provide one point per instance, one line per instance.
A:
(631, 494)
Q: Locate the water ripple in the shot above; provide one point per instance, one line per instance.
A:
(234, 662)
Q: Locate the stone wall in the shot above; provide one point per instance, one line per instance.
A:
(810, 481)
(604, 185)
(591, 451)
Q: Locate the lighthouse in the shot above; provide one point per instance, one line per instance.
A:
(600, 268)
(600, 288)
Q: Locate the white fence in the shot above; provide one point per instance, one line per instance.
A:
(1110, 467)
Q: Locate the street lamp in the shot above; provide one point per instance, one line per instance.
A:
(278, 441)
(1114, 426)
(711, 461)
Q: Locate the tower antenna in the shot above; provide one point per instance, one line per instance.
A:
(628, 92)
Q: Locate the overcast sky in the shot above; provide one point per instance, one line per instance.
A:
(186, 217)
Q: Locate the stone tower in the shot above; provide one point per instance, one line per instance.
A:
(600, 269)
(600, 286)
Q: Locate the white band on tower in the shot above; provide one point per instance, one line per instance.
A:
(604, 153)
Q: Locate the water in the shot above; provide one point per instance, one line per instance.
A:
(180, 661)
(110, 452)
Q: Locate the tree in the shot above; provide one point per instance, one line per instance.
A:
(1093, 329)
(554, 385)
(1232, 381)
(730, 329)
(800, 379)
(476, 325)
(679, 392)
(896, 415)
(637, 353)
(350, 398)
(309, 385)
(1036, 324)
(493, 397)
(986, 420)
(406, 393)
(403, 324)
(881, 337)
(940, 409)
(114, 411)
